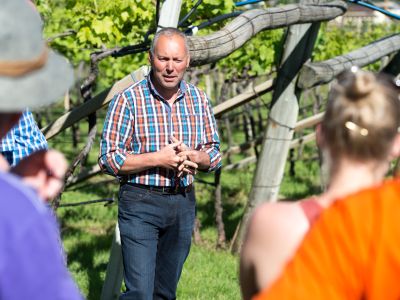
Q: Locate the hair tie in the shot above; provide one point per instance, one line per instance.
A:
(354, 127)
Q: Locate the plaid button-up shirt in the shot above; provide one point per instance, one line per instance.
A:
(139, 121)
(22, 140)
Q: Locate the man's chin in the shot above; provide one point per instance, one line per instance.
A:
(170, 84)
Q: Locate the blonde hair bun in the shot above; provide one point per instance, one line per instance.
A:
(362, 115)
(362, 84)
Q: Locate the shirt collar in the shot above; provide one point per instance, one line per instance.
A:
(181, 92)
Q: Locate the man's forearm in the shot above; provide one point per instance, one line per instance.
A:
(135, 163)
(164, 158)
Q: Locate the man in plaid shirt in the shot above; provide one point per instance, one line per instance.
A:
(157, 133)
(24, 139)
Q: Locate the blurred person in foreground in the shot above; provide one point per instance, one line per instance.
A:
(358, 144)
(24, 138)
(31, 263)
(157, 134)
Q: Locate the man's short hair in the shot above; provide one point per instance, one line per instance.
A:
(169, 31)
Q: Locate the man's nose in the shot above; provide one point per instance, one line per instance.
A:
(170, 65)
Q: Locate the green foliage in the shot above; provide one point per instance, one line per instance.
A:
(334, 40)
(259, 54)
(99, 24)
(207, 10)
(307, 178)
(110, 24)
(103, 23)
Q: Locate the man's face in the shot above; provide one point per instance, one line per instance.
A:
(169, 62)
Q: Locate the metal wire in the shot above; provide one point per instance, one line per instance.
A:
(185, 18)
(374, 7)
(108, 200)
(241, 3)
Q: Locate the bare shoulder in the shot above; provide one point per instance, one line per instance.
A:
(274, 218)
(274, 232)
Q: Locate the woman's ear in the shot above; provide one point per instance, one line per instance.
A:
(320, 136)
(395, 151)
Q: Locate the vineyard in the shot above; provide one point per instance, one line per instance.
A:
(267, 70)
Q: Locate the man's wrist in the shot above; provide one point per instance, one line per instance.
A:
(204, 160)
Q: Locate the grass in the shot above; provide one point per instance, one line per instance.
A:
(209, 274)
(87, 233)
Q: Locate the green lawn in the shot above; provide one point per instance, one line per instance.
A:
(209, 274)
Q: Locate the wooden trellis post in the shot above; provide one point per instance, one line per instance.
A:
(283, 114)
(112, 283)
(219, 210)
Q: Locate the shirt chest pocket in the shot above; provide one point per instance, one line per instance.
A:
(190, 128)
(151, 132)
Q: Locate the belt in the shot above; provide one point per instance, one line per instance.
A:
(172, 190)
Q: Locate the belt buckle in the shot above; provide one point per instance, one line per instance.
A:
(166, 190)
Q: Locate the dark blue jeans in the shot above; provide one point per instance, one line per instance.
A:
(156, 231)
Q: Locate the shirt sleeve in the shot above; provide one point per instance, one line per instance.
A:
(7, 143)
(211, 143)
(116, 135)
(29, 131)
(23, 139)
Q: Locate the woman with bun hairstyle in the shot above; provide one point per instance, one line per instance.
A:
(358, 137)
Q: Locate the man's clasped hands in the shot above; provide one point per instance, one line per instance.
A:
(180, 157)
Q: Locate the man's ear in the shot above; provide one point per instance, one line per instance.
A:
(319, 135)
(188, 62)
(395, 151)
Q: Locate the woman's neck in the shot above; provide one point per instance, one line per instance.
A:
(350, 176)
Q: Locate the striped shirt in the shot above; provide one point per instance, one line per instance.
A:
(140, 121)
(22, 140)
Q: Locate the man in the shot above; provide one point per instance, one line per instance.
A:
(157, 133)
(22, 140)
(351, 252)
(31, 263)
